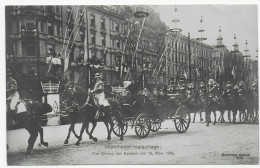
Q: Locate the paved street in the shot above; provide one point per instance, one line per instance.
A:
(224, 143)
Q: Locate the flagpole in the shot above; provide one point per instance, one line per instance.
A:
(189, 57)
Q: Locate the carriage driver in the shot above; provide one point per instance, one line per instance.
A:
(11, 94)
(99, 95)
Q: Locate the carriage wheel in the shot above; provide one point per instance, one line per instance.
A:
(142, 125)
(155, 125)
(116, 128)
(182, 119)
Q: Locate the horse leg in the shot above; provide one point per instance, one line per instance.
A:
(81, 132)
(41, 136)
(234, 116)
(31, 140)
(108, 130)
(71, 128)
(215, 117)
(194, 117)
(229, 111)
(94, 124)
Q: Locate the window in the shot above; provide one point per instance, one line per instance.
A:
(103, 40)
(82, 36)
(31, 50)
(42, 26)
(49, 9)
(58, 31)
(57, 10)
(69, 13)
(118, 44)
(92, 20)
(50, 29)
(93, 38)
(117, 27)
(103, 23)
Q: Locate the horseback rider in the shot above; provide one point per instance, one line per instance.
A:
(202, 89)
(229, 88)
(255, 87)
(241, 88)
(99, 95)
(12, 95)
(213, 90)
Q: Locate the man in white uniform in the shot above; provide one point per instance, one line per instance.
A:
(99, 95)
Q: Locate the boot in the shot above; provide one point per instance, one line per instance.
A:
(13, 117)
(97, 114)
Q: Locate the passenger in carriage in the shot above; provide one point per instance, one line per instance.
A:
(163, 94)
(181, 88)
(127, 94)
(190, 91)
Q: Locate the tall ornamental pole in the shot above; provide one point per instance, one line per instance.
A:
(189, 57)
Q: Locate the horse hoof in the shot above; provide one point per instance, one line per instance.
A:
(77, 143)
(45, 144)
(108, 138)
(214, 123)
(121, 138)
(28, 152)
(66, 142)
(95, 139)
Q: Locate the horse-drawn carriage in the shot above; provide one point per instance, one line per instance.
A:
(146, 113)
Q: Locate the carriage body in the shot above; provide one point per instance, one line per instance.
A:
(147, 113)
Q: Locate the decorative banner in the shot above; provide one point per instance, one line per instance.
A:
(66, 64)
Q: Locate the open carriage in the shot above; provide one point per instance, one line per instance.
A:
(146, 113)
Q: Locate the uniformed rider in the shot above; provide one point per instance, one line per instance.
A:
(189, 91)
(241, 88)
(229, 88)
(202, 89)
(12, 95)
(213, 90)
(255, 88)
(99, 95)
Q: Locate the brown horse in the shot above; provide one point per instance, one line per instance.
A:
(29, 114)
(88, 109)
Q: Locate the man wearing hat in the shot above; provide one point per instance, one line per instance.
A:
(181, 88)
(99, 94)
(213, 88)
(12, 95)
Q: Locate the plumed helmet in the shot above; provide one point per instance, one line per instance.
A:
(190, 86)
(97, 75)
(202, 84)
(211, 82)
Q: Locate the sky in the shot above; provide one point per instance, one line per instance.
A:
(241, 20)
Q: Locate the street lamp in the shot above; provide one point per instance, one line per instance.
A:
(201, 39)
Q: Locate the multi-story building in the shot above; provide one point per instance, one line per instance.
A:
(220, 53)
(91, 33)
(178, 59)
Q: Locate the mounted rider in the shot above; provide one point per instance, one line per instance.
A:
(12, 95)
(99, 95)
(202, 89)
(213, 90)
(255, 87)
(229, 89)
(241, 88)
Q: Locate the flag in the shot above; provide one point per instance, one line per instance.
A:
(66, 64)
(185, 75)
(105, 49)
(198, 74)
(234, 72)
(209, 69)
(219, 69)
